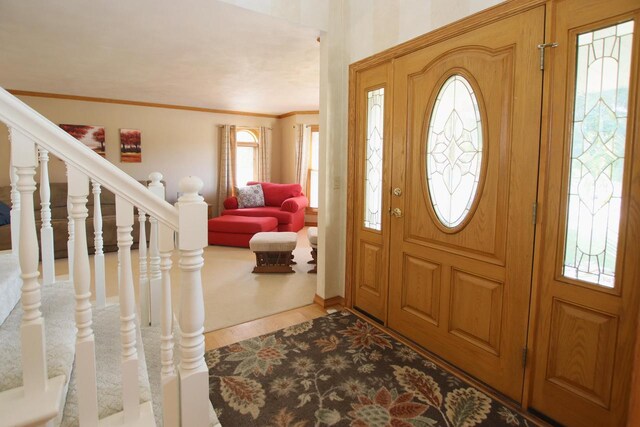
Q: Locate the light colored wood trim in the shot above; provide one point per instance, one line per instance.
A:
(351, 186)
(329, 302)
(479, 19)
(293, 113)
(140, 103)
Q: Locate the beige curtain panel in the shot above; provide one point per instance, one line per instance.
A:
(303, 137)
(227, 166)
(264, 154)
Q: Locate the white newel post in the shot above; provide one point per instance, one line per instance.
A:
(192, 238)
(130, 387)
(78, 184)
(34, 360)
(98, 259)
(46, 231)
(143, 285)
(15, 207)
(70, 228)
(155, 280)
(170, 387)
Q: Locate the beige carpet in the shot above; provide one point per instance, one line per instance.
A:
(232, 294)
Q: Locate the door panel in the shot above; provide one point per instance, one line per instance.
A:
(589, 256)
(371, 192)
(467, 276)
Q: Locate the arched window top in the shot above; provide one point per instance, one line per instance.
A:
(244, 135)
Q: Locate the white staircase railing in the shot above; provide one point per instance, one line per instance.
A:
(185, 388)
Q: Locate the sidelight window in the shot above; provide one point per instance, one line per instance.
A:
(599, 133)
(373, 165)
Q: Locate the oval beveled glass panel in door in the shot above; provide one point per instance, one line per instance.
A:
(454, 151)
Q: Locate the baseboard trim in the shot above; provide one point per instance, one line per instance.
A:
(324, 303)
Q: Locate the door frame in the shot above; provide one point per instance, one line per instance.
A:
(482, 18)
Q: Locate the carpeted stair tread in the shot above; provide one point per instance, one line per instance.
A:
(58, 309)
(106, 327)
(10, 283)
(151, 340)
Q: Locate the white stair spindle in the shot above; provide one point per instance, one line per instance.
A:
(15, 207)
(34, 361)
(130, 386)
(70, 227)
(78, 184)
(170, 386)
(46, 231)
(98, 259)
(143, 285)
(155, 280)
(192, 238)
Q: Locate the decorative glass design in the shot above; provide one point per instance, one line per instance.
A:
(454, 151)
(603, 68)
(373, 165)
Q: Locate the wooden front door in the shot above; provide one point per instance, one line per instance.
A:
(589, 258)
(466, 123)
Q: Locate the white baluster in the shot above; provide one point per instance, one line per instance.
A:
(155, 280)
(46, 231)
(170, 387)
(70, 229)
(98, 259)
(130, 388)
(34, 361)
(143, 286)
(78, 184)
(15, 206)
(192, 238)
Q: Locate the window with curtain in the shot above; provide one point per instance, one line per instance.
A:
(246, 156)
(314, 162)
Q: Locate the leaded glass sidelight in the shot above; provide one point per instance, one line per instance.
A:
(454, 151)
(373, 165)
(603, 65)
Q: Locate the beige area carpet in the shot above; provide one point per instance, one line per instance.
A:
(232, 294)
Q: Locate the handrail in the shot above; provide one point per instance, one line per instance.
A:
(18, 115)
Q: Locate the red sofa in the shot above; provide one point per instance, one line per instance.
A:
(285, 202)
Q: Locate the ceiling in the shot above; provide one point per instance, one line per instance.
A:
(200, 53)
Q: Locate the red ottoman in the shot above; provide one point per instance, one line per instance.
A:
(233, 230)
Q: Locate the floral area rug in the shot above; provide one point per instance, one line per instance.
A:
(339, 370)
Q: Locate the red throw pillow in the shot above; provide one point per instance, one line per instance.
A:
(275, 194)
(231, 203)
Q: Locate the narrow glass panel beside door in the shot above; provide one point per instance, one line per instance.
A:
(373, 165)
(597, 154)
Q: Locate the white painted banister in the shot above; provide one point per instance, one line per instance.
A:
(78, 185)
(155, 280)
(192, 238)
(15, 207)
(98, 242)
(46, 231)
(143, 280)
(71, 231)
(170, 390)
(130, 384)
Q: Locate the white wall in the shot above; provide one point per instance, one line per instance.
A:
(176, 143)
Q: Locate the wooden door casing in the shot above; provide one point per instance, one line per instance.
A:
(585, 333)
(371, 247)
(464, 292)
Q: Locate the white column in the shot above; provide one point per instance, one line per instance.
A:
(98, 259)
(194, 375)
(34, 360)
(78, 184)
(155, 280)
(15, 206)
(70, 228)
(129, 364)
(143, 285)
(170, 386)
(46, 231)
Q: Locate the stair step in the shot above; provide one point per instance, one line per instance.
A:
(58, 308)
(106, 327)
(10, 283)
(151, 338)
